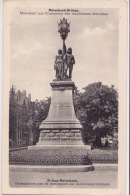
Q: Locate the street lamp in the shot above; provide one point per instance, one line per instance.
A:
(64, 29)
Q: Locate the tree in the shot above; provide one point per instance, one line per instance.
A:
(97, 109)
(39, 113)
(12, 115)
(41, 109)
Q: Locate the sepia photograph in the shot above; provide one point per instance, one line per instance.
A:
(64, 99)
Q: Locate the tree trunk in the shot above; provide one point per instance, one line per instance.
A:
(97, 141)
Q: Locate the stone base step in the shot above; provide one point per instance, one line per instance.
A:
(54, 168)
(59, 148)
(59, 143)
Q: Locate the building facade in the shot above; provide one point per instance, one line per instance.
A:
(21, 126)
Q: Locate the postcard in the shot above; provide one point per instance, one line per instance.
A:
(64, 97)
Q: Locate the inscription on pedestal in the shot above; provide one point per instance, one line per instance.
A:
(60, 135)
(62, 105)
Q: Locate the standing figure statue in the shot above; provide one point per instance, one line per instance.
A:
(58, 65)
(68, 63)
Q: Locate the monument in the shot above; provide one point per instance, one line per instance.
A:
(61, 126)
(60, 136)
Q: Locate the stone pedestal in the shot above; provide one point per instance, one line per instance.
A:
(61, 127)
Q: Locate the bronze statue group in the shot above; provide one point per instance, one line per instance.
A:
(64, 64)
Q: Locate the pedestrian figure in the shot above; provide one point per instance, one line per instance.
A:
(106, 143)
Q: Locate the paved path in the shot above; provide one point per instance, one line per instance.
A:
(94, 179)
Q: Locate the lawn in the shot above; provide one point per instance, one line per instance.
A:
(63, 155)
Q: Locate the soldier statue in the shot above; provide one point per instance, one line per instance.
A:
(68, 63)
(58, 65)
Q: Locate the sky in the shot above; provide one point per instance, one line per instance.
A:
(34, 42)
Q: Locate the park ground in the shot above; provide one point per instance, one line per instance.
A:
(105, 178)
(104, 175)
